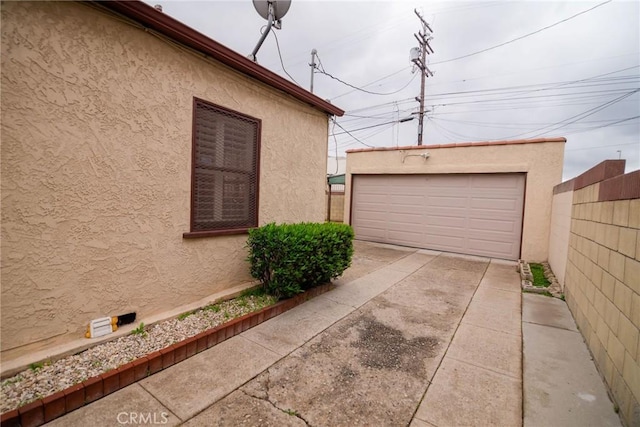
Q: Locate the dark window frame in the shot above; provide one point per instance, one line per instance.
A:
(220, 230)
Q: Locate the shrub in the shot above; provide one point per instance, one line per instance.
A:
(290, 258)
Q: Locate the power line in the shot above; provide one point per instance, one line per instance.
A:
(555, 85)
(369, 84)
(480, 101)
(366, 127)
(524, 36)
(510, 125)
(577, 117)
(605, 126)
(336, 142)
(507, 90)
(349, 133)
(600, 146)
(364, 90)
(368, 135)
(371, 107)
(546, 105)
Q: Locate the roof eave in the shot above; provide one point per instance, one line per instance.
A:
(176, 30)
(460, 144)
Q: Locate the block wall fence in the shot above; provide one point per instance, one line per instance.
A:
(595, 253)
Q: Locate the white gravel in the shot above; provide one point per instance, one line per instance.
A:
(38, 382)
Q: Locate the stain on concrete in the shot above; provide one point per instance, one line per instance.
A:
(448, 262)
(383, 347)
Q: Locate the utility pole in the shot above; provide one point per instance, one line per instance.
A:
(313, 67)
(420, 60)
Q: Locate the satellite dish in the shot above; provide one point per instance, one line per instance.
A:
(280, 8)
(272, 11)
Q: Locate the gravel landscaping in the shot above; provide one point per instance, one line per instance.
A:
(42, 380)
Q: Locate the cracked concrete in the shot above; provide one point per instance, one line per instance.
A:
(408, 337)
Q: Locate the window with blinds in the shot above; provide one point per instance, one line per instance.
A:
(224, 195)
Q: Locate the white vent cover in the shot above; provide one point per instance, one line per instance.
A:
(100, 327)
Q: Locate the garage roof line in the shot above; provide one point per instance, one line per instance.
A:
(459, 144)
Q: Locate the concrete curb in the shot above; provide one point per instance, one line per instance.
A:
(60, 403)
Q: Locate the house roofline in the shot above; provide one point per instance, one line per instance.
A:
(156, 20)
(459, 144)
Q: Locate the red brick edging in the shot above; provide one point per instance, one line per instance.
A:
(62, 402)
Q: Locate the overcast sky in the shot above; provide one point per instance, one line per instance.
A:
(579, 79)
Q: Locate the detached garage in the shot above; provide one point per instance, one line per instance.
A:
(489, 199)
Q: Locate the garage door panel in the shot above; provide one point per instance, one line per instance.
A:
(483, 214)
(479, 214)
(447, 243)
(493, 204)
(372, 215)
(495, 249)
(492, 224)
(447, 201)
(444, 212)
(492, 181)
(491, 236)
(372, 228)
(445, 231)
(407, 199)
(374, 199)
(407, 219)
(444, 221)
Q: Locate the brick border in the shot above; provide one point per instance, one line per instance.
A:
(62, 402)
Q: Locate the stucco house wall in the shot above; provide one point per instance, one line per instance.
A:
(540, 159)
(559, 232)
(96, 170)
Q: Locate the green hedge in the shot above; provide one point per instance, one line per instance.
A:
(290, 258)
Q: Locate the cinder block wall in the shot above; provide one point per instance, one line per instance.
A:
(337, 206)
(602, 278)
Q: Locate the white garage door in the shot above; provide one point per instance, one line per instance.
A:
(477, 214)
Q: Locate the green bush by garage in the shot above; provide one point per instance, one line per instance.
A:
(290, 258)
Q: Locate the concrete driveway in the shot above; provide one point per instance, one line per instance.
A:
(408, 337)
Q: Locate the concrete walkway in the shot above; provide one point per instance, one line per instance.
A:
(561, 384)
(408, 337)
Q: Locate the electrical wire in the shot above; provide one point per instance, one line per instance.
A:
(605, 126)
(601, 146)
(368, 135)
(371, 107)
(580, 116)
(333, 127)
(508, 90)
(366, 127)
(554, 85)
(280, 55)
(364, 90)
(511, 125)
(369, 84)
(522, 37)
(481, 101)
(349, 133)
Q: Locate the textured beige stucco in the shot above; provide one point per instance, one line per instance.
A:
(541, 161)
(559, 233)
(96, 169)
